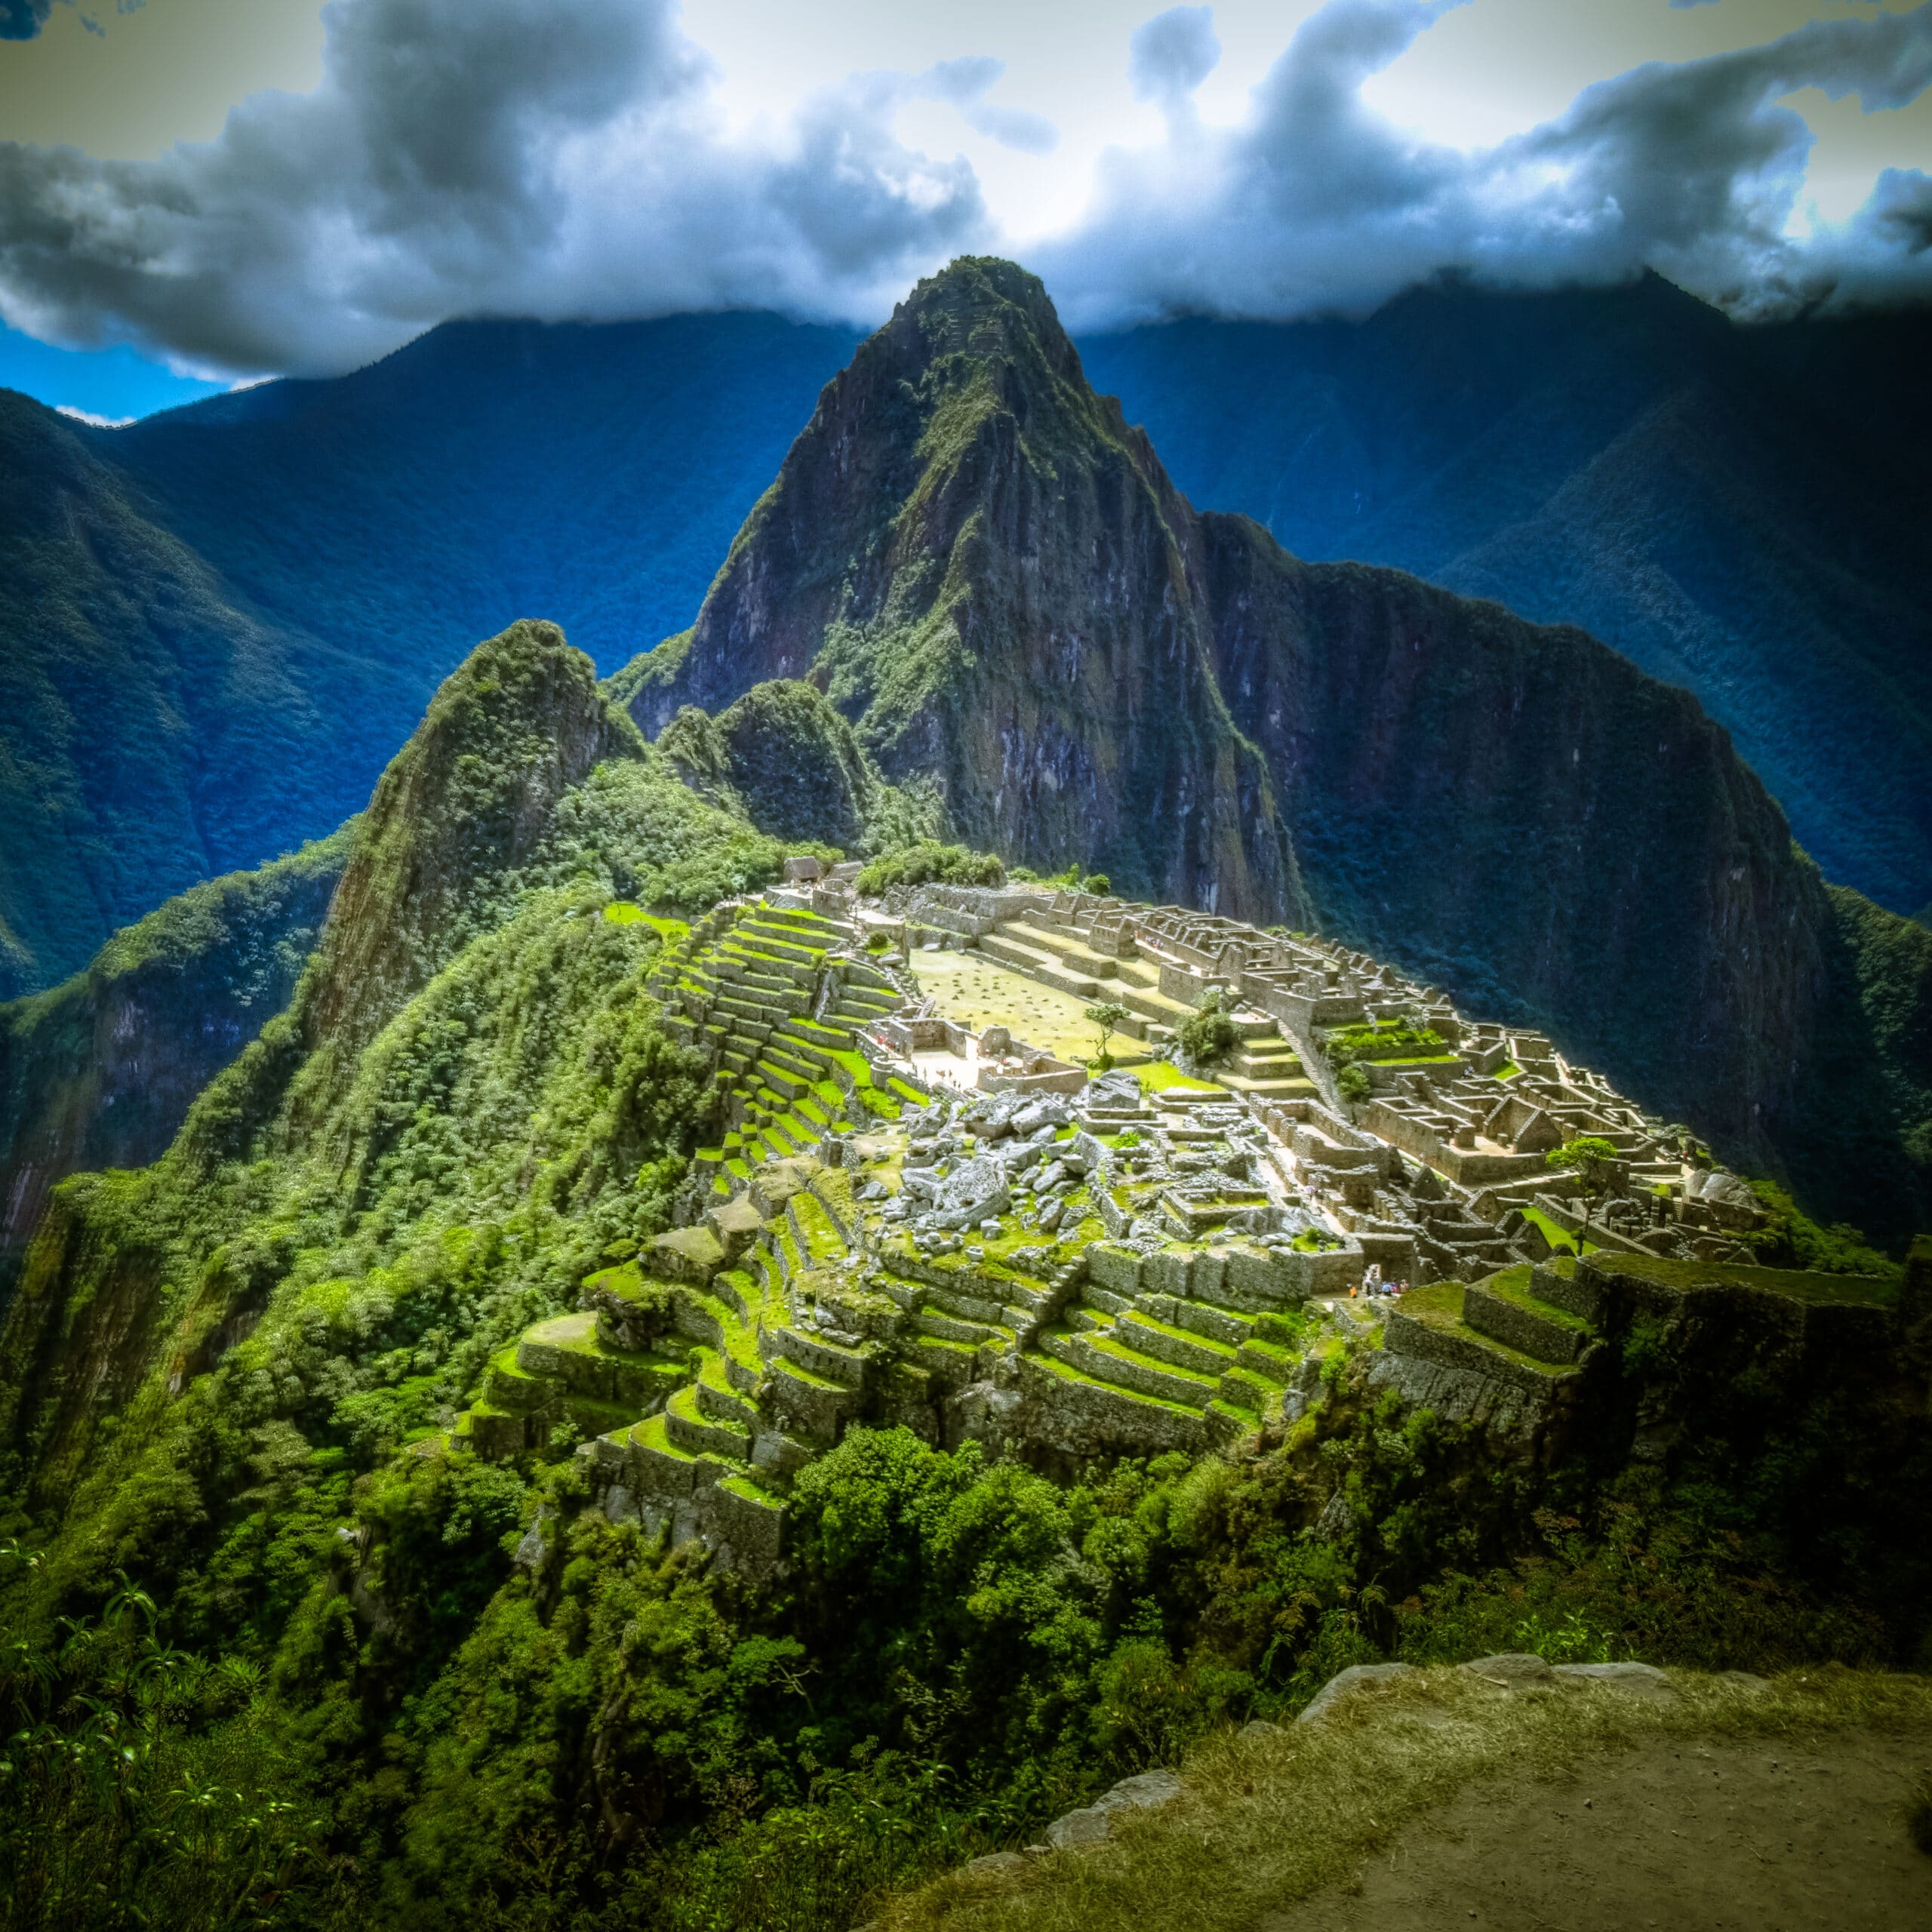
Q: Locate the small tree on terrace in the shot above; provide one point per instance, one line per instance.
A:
(1595, 1161)
(1107, 1019)
(1207, 1034)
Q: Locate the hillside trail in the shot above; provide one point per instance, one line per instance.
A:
(1680, 1834)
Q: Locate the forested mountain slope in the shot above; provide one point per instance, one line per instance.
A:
(1740, 511)
(219, 624)
(259, 592)
(101, 1072)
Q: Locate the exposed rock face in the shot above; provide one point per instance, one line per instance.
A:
(1521, 814)
(990, 573)
(100, 1072)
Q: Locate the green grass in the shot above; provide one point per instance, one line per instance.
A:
(1858, 1290)
(1554, 1234)
(624, 912)
(1156, 1076)
(1266, 1820)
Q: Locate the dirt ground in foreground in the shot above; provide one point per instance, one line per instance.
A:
(1680, 1836)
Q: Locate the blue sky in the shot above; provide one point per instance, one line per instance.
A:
(112, 384)
(216, 190)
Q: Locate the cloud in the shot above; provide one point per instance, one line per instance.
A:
(515, 157)
(1172, 54)
(88, 416)
(965, 82)
(1318, 204)
(480, 156)
(21, 19)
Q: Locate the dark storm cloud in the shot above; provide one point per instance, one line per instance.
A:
(1318, 204)
(464, 156)
(519, 157)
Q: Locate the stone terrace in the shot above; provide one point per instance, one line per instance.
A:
(1136, 1266)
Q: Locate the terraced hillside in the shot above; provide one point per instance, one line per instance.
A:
(1135, 1266)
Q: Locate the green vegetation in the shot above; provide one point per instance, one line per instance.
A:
(1207, 1034)
(928, 862)
(1596, 1165)
(1106, 1018)
(1353, 1083)
(1388, 1039)
(1790, 1239)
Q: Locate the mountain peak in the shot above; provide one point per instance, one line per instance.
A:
(964, 531)
(979, 305)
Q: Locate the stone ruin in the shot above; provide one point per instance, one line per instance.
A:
(1100, 1266)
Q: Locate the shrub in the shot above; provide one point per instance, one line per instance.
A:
(931, 863)
(1207, 1034)
(1388, 1041)
(1353, 1083)
(1098, 883)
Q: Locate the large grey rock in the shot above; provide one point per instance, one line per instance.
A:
(974, 1192)
(1515, 1670)
(996, 1864)
(1083, 1155)
(1344, 1683)
(1637, 1680)
(1093, 1823)
(1044, 1110)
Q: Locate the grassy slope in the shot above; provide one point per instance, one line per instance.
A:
(1269, 1820)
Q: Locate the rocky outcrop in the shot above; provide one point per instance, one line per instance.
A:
(467, 800)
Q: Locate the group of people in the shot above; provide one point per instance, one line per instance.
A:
(1375, 1282)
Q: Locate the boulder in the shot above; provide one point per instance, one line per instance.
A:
(1044, 1110)
(1636, 1680)
(1094, 1823)
(1514, 1670)
(1345, 1683)
(1083, 1155)
(975, 1191)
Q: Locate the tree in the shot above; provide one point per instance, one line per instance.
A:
(1207, 1034)
(1596, 1162)
(1107, 1019)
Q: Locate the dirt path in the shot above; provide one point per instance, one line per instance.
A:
(1680, 1836)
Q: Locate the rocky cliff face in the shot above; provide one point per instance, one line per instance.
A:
(100, 1072)
(986, 570)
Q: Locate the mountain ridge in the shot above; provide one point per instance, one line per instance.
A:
(1695, 494)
